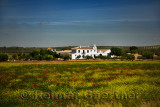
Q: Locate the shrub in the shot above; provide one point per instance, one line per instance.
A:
(103, 57)
(37, 57)
(34, 54)
(148, 55)
(130, 57)
(123, 57)
(55, 55)
(15, 56)
(115, 58)
(43, 54)
(140, 57)
(88, 57)
(49, 57)
(65, 57)
(78, 56)
(22, 57)
(157, 53)
(28, 57)
(3, 57)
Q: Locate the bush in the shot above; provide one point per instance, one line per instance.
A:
(65, 57)
(123, 57)
(55, 55)
(131, 57)
(49, 57)
(34, 54)
(140, 57)
(28, 57)
(15, 56)
(3, 57)
(148, 55)
(157, 53)
(88, 57)
(115, 58)
(78, 56)
(43, 54)
(22, 57)
(37, 57)
(103, 57)
(140, 52)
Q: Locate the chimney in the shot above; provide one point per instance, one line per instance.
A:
(80, 46)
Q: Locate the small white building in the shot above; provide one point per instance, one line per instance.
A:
(103, 52)
(87, 51)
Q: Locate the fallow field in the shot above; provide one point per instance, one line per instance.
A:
(81, 84)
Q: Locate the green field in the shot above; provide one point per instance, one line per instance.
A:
(113, 83)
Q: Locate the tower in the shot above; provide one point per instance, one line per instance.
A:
(95, 47)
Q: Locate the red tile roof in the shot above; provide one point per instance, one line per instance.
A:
(82, 48)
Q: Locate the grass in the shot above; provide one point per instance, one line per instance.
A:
(114, 83)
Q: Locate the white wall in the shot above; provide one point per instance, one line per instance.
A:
(91, 52)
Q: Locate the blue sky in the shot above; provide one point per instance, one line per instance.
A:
(49, 23)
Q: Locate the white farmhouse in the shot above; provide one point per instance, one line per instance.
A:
(87, 51)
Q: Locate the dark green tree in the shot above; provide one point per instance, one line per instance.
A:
(157, 53)
(55, 55)
(116, 51)
(148, 55)
(43, 52)
(28, 57)
(22, 57)
(34, 53)
(65, 57)
(140, 57)
(130, 57)
(124, 56)
(3, 57)
(15, 56)
(133, 49)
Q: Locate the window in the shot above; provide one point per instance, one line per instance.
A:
(87, 51)
(83, 51)
(78, 51)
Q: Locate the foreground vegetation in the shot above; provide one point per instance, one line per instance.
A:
(111, 83)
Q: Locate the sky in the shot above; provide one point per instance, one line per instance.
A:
(52, 23)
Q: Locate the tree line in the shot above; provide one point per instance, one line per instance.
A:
(44, 54)
(145, 54)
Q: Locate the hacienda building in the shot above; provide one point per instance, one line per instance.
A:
(83, 51)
